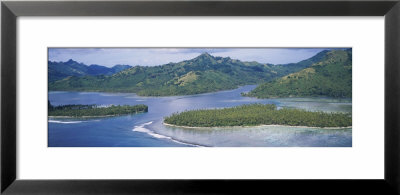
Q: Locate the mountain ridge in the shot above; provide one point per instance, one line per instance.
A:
(202, 74)
(61, 70)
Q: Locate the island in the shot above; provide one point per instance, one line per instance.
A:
(257, 114)
(79, 110)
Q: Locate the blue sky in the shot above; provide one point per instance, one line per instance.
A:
(158, 56)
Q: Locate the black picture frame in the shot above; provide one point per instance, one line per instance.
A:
(11, 10)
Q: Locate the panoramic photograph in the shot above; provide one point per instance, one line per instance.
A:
(199, 97)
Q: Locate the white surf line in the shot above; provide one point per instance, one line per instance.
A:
(65, 122)
(141, 128)
(71, 122)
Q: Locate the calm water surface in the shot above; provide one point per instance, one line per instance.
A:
(147, 129)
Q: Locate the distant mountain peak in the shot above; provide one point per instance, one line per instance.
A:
(205, 55)
(61, 70)
(71, 61)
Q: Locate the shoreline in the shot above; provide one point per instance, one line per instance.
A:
(145, 96)
(92, 116)
(204, 93)
(171, 125)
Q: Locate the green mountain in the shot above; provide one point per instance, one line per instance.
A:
(330, 76)
(202, 74)
(285, 69)
(61, 70)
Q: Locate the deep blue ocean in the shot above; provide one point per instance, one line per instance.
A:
(147, 129)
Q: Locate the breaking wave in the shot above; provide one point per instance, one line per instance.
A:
(141, 128)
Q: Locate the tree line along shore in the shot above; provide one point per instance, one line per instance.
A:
(79, 110)
(258, 114)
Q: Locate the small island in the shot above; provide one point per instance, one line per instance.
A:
(258, 114)
(79, 110)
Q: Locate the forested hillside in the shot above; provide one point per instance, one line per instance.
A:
(331, 76)
(202, 74)
(328, 73)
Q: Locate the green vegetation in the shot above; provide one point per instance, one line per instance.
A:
(331, 76)
(285, 69)
(78, 110)
(202, 74)
(258, 114)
